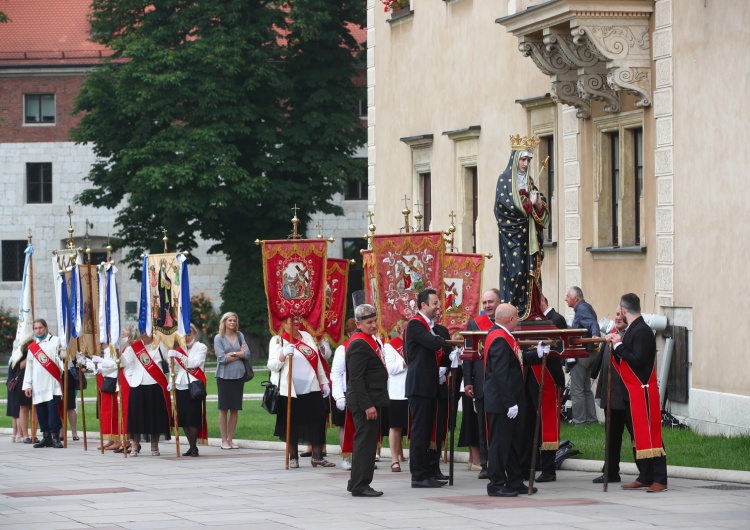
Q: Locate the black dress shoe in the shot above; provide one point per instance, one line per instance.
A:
(440, 476)
(427, 483)
(600, 479)
(523, 488)
(369, 492)
(306, 454)
(484, 474)
(502, 492)
(546, 477)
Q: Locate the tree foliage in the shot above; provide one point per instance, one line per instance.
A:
(213, 118)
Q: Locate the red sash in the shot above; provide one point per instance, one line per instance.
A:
(397, 343)
(200, 375)
(500, 332)
(644, 410)
(439, 352)
(371, 342)
(48, 364)
(311, 354)
(550, 410)
(483, 322)
(154, 371)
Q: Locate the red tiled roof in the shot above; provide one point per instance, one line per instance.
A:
(47, 32)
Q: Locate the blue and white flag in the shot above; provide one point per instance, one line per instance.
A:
(25, 329)
(165, 298)
(109, 305)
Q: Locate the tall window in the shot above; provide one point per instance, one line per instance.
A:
(549, 142)
(638, 180)
(13, 259)
(356, 190)
(614, 139)
(39, 182)
(39, 108)
(474, 208)
(426, 200)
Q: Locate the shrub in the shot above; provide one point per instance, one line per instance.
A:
(205, 318)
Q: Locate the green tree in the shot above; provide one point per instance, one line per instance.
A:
(213, 118)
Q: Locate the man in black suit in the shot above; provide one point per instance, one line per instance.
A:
(503, 402)
(618, 405)
(532, 361)
(474, 376)
(420, 348)
(366, 391)
(635, 360)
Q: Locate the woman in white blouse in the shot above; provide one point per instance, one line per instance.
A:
(309, 388)
(190, 411)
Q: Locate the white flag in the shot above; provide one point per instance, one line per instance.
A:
(25, 329)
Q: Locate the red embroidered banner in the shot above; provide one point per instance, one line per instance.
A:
(337, 285)
(405, 264)
(294, 274)
(462, 288)
(371, 281)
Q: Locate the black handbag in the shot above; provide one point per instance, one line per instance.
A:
(197, 390)
(75, 380)
(109, 385)
(270, 401)
(12, 384)
(249, 372)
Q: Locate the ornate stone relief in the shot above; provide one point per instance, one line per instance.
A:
(595, 86)
(565, 90)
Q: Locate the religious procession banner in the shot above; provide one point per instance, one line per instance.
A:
(405, 265)
(87, 338)
(165, 299)
(337, 283)
(371, 280)
(462, 288)
(66, 275)
(109, 304)
(25, 327)
(294, 275)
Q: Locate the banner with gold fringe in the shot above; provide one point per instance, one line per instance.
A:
(405, 264)
(371, 280)
(337, 285)
(165, 299)
(462, 288)
(294, 276)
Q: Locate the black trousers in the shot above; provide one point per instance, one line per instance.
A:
(617, 424)
(482, 425)
(650, 470)
(363, 452)
(434, 454)
(49, 416)
(422, 412)
(504, 465)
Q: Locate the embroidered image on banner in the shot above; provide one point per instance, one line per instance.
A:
(406, 264)
(371, 278)
(462, 284)
(164, 287)
(90, 313)
(337, 285)
(294, 274)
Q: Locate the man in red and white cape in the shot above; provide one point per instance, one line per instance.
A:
(42, 382)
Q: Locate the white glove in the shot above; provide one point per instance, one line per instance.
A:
(598, 402)
(174, 354)
(169, 387)
(513, 412)
(289, 349)
(90, 365)
(341, 403)
(325, 349)
(326, 390)
(541, 351)
(80, 359)
(96, 359)
(455, 354)
(441, 375)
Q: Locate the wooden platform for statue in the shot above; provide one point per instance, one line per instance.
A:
(564, 343)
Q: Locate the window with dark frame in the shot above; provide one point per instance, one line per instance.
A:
(356, 190)
(426, 200)
(474, 208)
(13, 260)
(39, 108)
(356, 282)
(360, 105)
(550, 145)
(38, 182)
(614, 145)
(638, 180)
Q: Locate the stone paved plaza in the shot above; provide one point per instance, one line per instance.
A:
(248, 488)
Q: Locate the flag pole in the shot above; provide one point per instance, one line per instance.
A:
(31, 280)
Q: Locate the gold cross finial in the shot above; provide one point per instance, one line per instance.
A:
(29, 236)
(452, 216)
(370, 215)
(319, 226)
(295, 210)
(406, 206)
(70, 228)
(165, 239)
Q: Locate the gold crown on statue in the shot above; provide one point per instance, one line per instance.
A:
(523, 143)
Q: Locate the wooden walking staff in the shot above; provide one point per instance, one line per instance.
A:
(288, 402)
(172, 376)
(80, 389)
(31, 279)
(122, 421)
